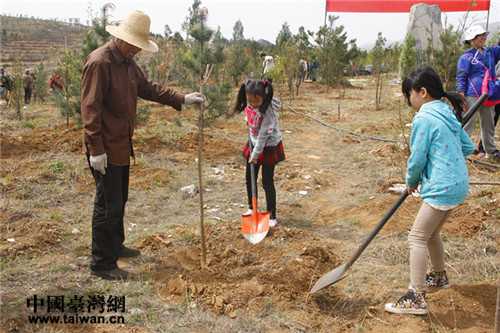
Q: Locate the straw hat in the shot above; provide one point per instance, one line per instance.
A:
(134, 29)
(473, 31)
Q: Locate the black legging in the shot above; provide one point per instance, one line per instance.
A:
(267, 183)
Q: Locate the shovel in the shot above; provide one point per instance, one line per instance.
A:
(254, 226)
(340, 272)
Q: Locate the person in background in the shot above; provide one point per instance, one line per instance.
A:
(6, 84)
(261, 109)
(28, 86)
(267, 65)
(313, 69)
(111, 83)
(303, 68)
(480, 146)
(56, 82)
(438, 148)
(472, 67)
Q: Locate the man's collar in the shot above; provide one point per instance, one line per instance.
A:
(116, 53)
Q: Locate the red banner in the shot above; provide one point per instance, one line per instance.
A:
(399, 6)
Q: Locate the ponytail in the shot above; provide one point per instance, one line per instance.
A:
(458, 103)
(241, 100)
(269, 96)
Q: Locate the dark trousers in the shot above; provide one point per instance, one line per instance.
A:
(107, 220)
(497, 115)
(267, 183)
(27, 95)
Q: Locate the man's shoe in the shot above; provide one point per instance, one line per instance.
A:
(113, 274)
(127, 252)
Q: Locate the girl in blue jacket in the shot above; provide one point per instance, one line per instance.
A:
(438, 147)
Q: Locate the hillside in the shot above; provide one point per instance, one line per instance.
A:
(33, 38)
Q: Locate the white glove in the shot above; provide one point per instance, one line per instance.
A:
(193, 98)
(99, 162)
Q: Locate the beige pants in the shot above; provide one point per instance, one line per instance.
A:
(425, 241)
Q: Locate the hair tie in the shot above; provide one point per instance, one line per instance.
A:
(265, 83)
(245, 83)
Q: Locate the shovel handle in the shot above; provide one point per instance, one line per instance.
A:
(474, 108)
(252, 171)
(378, 227)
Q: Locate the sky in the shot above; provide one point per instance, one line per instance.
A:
(261, 19)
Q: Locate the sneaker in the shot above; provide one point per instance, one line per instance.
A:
(249, 212)
(436, 280)
(481, 155)
(272, 223)
(128, 252)
(495, 155)
(413, 302)
(113, 274)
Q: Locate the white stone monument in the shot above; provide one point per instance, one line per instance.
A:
(425, 25)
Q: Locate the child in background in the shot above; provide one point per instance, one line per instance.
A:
(256, 98)
(437, 161)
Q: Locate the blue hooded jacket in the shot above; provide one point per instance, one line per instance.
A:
(438, 150)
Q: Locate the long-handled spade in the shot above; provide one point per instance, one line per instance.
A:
(341, 272)
(254, 226)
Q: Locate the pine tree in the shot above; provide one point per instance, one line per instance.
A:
(191, 63)
(40, 86)
(408, 56)
(239, 57)
(378, 61)
(17, 90)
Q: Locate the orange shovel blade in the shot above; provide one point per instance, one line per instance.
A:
(255, 226)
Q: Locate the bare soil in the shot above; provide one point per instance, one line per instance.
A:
(343, 180)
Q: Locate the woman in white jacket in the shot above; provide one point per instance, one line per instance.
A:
(256, 98)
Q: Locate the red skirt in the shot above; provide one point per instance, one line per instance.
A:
(270, 156)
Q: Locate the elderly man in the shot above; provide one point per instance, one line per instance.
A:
(111, 83)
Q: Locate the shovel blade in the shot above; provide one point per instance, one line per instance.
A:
(255, 226)
(331, 277)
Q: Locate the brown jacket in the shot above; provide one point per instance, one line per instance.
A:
(28, 81)
(110, 87)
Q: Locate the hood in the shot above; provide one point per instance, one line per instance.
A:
(442, 113)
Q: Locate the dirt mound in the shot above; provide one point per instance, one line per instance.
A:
(155, 242)
(43, 139)
(465, 306)
(23, 234)
(214, 147)
(143, 176)
(242, 276)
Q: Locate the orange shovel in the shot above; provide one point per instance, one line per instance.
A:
(254, 226)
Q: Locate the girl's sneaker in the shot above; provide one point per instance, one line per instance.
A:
(249, 212)
(413, 302)
(272, 223)
(437, 280)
